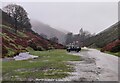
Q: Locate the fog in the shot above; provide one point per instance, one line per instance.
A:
(71, 16)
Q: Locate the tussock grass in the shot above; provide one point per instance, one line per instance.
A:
(50, 64)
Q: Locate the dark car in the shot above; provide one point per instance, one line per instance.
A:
(73, 48)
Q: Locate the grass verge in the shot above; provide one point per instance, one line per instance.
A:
(49, 65)
(116, 54)
(108, 52)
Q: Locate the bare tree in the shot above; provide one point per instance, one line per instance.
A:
(19, 15)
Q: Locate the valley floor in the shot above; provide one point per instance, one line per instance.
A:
(57, 65)
(49, 65)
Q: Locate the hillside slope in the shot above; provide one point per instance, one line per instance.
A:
(112, 46)
(42, 28)
(14, 43)
(103, 38)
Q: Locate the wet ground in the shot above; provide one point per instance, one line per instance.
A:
(94, 66)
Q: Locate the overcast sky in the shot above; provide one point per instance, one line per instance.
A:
(71, 16)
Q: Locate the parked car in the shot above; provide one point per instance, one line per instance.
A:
(73, 48)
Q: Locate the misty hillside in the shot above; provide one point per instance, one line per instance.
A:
(103, 38)
(63, 30)
(22, 41)
(42, 28)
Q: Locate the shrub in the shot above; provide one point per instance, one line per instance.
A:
(4, 51)
(33, 45)
(116, 48)
(39, 48)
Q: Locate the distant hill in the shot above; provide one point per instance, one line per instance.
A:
(103, 38)
(42, 28)
(22, 41)
(63, 30)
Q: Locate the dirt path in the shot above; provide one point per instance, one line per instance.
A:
(95, 66)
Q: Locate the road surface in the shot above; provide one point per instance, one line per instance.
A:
(94, 66)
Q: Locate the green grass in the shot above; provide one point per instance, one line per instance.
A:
(50, 64)
(116, 54)
(12, 30)
(98, 48)
(10, 52)
(21, 34)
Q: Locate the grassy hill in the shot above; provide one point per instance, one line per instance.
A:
(107, 40)
(14, 43)
(103, 38)
(113, 48)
